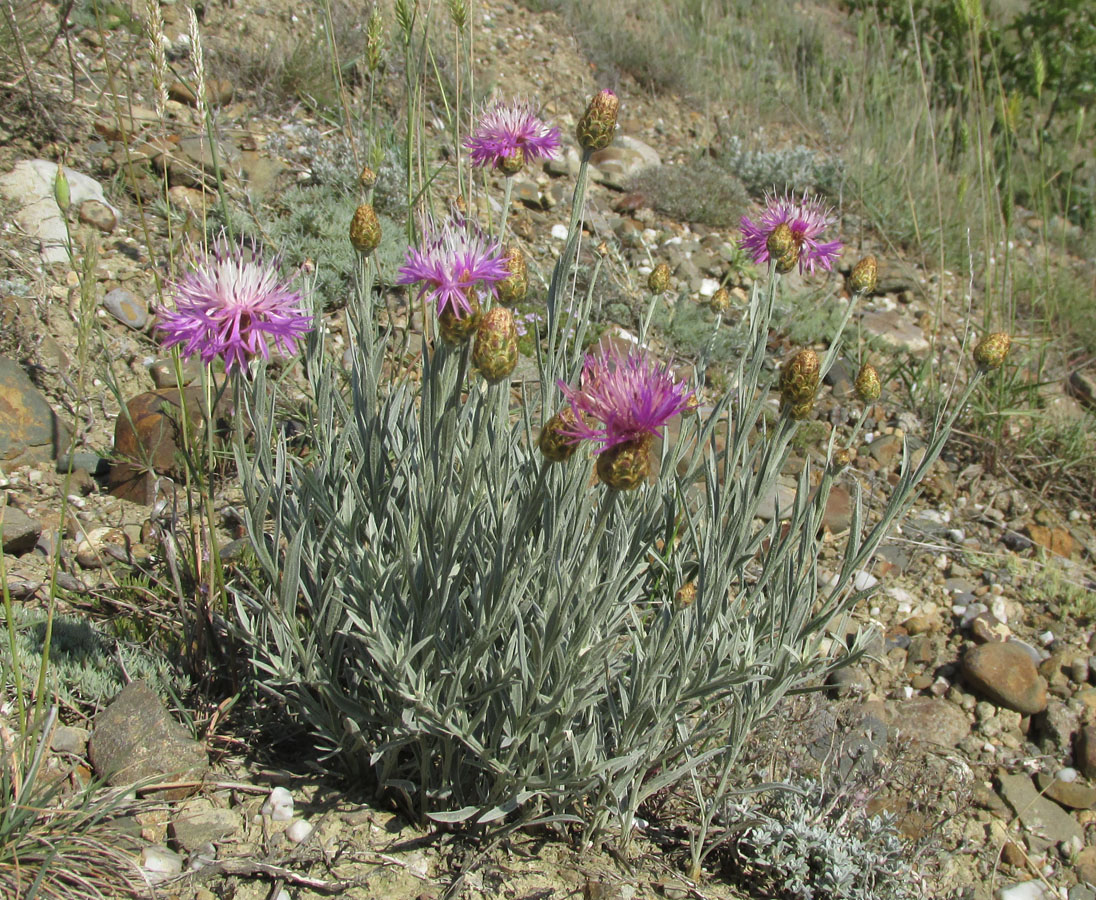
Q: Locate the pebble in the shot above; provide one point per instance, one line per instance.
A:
(279, 805)
(298, 831)
(126, 308)
(161, 864)
(559, 232)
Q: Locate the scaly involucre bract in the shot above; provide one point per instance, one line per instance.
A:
(233, 304)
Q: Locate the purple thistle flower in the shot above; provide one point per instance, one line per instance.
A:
(807, 218)
(631, 396)
(231, 304)
(455, 260)
(504, 129)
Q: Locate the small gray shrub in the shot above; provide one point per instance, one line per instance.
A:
(700, 191)
(791, 168)
(801, 844)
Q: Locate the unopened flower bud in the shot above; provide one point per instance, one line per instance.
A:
(864, 276)
(515, 286)
(685, 596)
(799, 383)
(843, 458)
(868, 387)
(625, 466)
(457, 327)
(692, 404)
(365, 230)
(61, 189)
(495, 353)
(598, 124)
(781, 241)
(721, 302)
(556, 441)
(511, 163)
(992, 350)
(659, 279)
(367, 177)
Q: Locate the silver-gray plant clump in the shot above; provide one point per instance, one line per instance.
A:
(487, 636)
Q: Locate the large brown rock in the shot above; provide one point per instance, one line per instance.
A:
(136, 740)
(1005, 674)
(30, 431)
(148, 439)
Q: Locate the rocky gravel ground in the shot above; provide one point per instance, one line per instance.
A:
(973, 721)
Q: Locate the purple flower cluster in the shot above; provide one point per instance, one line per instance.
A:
(455, 260)
(504, 129)
(806, 217)
(231, 304)
(630, 397)
(524, 322)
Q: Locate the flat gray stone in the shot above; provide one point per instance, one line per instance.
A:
(198, 822)
(135, 739)
(930, 719)
(1046, 823)
(895, 331)
(20, 531)
(126, 308)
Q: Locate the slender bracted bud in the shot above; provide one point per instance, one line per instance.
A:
(367, 177)
(515, 286)
(598, 124)
(721, 302)
(864, 276)
(659, 279)
(511, 162)
(61, 189)
(556, 441)
(692, 405)
(685, 596)
(624, 467)
(495, 353)
(799, 383)
(992, 350)
(868, 387)
(365, 230)
(457, 326)
(781, 241)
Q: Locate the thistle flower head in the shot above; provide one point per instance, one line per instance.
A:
(231, 304)
(630, 397)
(457, 325)
(805, 219)
(455, 264)
(509, 135)
(598, 124)
(624, 467)
(992, 350)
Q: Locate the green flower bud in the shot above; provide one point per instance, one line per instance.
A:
(685, 596)
(512, 162)
(365, 230)
(868, 386)
(721, 302)
(864, 276)
(781, 241)
(598, 124)
(659, 279)
(61, 189)
(495, 353)
(799, 383)
(515, 286)
(992, 350)
(554, 443)
(456, 327)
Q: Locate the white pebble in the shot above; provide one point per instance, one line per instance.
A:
(160, 864)
(559, 232)
(1067, 775)
(1025, 890)
(279, 805)
(1046, 638)
(863, 581)
(298, 831)
(708, 287)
